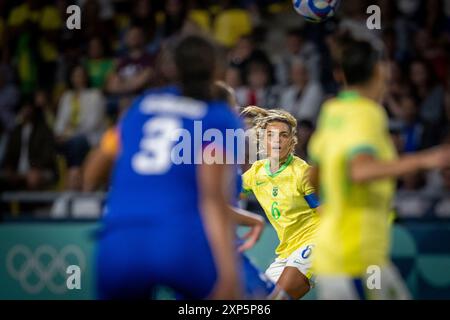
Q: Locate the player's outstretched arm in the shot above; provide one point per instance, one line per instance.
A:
(254, 221)
(365, 167)
(99, 163)
(219, 228)
(97, 169)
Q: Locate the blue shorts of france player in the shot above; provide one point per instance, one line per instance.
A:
(256, 284)
(132, 261)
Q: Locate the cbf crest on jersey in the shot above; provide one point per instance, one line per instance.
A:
(275, 191)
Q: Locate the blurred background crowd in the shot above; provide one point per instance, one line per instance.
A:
(61, 89)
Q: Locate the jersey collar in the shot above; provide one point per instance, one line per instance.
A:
(280, 169)
(348, 95)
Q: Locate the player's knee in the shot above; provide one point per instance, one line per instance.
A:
(295, 283)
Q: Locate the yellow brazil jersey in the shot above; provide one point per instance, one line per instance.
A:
(288, 200)
(110, 142)
(355, 227)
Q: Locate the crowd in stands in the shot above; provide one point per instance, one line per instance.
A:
(60, 89)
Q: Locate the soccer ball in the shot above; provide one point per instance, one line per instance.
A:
(316, 10)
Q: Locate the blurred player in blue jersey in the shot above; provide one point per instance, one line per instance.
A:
(256, 284)
(167, 223)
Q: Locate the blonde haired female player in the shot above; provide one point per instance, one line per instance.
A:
(281, 186)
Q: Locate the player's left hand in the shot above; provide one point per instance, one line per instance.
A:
(252, 236)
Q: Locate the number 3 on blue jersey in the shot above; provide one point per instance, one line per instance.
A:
(154, 156)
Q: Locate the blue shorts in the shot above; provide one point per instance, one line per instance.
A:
(256, 284)
(132, 261)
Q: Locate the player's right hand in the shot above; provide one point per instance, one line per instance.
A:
(253, 235)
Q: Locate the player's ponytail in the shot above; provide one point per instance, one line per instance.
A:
(253, 113)
(224, 92)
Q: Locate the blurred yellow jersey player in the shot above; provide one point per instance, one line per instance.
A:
(355, 225)
(288, 199)
(355, 166)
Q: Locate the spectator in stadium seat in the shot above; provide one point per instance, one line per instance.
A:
(415, 133)
(34, 28)
(79, 123)
(406, 25)
(397, 85)
(97, 64)
(305, 129)
(233, 76)
(141, 13)
(395, 133)
(305, 95)
(43, 103)
(9, 98)
(97, 19)
(429, 92)
(428, 48)
(175, 13)
(246, 52)
(134, 69)
(297, 46)
(259, 89)
(29, 162)
(389, 41)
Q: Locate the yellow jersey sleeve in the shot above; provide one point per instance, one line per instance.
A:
(248, 179)
(305, 184)
(306, 188)
(110, 142)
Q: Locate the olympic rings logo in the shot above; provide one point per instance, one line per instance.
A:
(25, 265)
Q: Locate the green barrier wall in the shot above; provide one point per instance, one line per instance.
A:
(34, 257)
